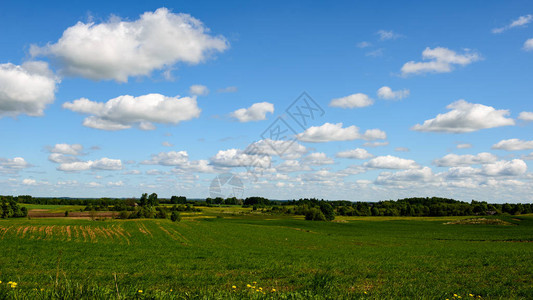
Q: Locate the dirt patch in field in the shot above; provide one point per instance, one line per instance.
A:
(35, 213)
(479, 221)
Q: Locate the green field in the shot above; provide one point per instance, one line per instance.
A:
(203, 256)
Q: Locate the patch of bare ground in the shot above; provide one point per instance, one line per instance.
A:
(479, 221)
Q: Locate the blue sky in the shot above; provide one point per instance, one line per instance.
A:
(116, 99)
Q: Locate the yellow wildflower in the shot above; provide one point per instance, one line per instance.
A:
(470, 295)
(260, 288)
(139, 291)
(233, 287)
(273, 290)
(248, 285)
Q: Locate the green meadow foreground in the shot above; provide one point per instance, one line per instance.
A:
(231, 253)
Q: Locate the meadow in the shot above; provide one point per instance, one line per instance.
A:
(234, 253)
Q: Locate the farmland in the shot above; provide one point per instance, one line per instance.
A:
(218, 252)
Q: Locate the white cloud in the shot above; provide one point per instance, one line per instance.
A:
(101, 164)
(29, 181)
(335, 132)
(68, 149)
(167, 144)
(505, 168)
(466, 117)
(198, 90)
(180, 160)
(363, 44)
(238, 158)
(464, 146)
(526, 116)
(59, 158)
(317, 159)
(521, 21)
(528, 45)
(352, 101)
(513, 145)
(13, 165)
(256, 112)
(125, 111)
(119, 49)
(408, 176)
(357, 153)
(441, 60)
(454, 160)
(291, 165)
(515, 167)
(387, 35)
(172, 158)
(26, 89)
(391, 162)
(116, 183)
(288, 149)
(229, 89)
(387, 93)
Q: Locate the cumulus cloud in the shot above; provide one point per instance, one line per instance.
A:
(292, 165)
(521, 21)
(352, 101)
(59, 158)
(26, 89)
(528, 45)
(13, 165)
(454, 160)
(172, 158)
(118, 49)
(357, 153)
(167, 144)
(401, 149)
(526, 116)
(29, 181)
(335, 132)
(238, 158)
(68, 149)
(387, 93)
(466, 117)
(388, 35)
(439, 60)
(288, 149)
(513, 145)
(514, 167)
(408, 176)
(198, 90)
(179, 160)
(256, 112)
(391, 162)
(126, 111)
(101, 164)
(317, 159)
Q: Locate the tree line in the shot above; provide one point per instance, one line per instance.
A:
(9, 208)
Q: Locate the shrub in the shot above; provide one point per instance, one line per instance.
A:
(175, 216)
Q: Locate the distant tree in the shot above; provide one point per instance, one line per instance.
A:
(144, 199)
(152, 200)
(175, 216)
(178, 200)
(315, 214)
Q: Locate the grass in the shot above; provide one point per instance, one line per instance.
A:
(204, 256)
